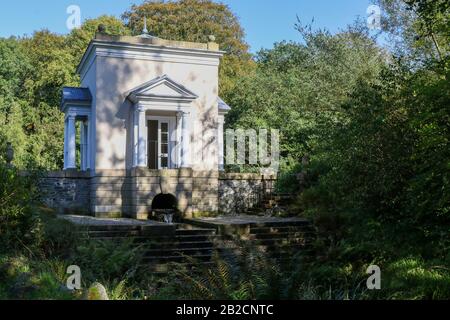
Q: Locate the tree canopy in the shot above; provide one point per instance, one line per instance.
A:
(34, 69)
(196, 20)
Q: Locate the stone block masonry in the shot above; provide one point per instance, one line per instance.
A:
(65, 191)
(147, 184)
(130, 193)
(239, 192)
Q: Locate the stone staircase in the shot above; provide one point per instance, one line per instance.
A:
(279, 239)
(272, 204)
(194, 243)
(190, 243)
(159, 248)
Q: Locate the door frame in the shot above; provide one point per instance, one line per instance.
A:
(172, 129)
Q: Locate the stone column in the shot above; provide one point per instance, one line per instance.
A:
(65, 144)
(142, 139)
(185, 138)
(88, 144)
(221, 142)
(84, 145)
(71, 143)
(179, 138)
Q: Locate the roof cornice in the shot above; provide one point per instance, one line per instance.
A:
(146, 51)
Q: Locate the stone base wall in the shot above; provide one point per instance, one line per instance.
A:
(111, 194)
(121, 193)
(65, 191)
(205, 192)
(239, 192)
(147, 184)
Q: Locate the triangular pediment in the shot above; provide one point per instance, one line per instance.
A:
(161, 88)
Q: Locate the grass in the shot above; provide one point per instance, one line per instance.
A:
(414, 279)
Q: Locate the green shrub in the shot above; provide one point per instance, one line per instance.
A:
(25, 278)
(19, 224)
(254, 275)
(59, 237)
(413, 278)
(106, 261)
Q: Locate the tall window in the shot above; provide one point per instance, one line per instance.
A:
(164, 152)
(158, 144)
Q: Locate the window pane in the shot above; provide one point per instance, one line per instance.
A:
(164, 162)
(164, 138)
(153, 144)
(165, 127)
(164, 148)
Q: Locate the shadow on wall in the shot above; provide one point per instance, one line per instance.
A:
(114, 124)
(114, 79)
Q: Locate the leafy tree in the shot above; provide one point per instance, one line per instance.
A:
(33, 70)
(433, 23)
(15, 67)
(53, 67)
(298, 91)
(196, 20)
(40, 122)
(78, 40)
(417, 28)
(32, 73)
(382, 194)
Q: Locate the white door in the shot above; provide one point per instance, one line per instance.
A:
(159, 142)
(164, 145)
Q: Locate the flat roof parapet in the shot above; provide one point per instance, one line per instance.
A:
(210, 46)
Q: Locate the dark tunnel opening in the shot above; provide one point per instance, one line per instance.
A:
(165, 202)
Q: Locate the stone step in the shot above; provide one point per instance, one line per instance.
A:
(298, 234)
(273, 224)
(281, 235)
(281, 243)
(112, 228)
(269, 250)
(177, 259)
(280, 229)
(135, 240)
(280, 248)
(112, 234)
(195, 238)
(194, 232)
(179, 252)
(168, 268)
(180, 245)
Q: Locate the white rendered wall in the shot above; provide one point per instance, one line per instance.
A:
(89, 81)
(117, 76)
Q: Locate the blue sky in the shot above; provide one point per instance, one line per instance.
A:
(265, 21)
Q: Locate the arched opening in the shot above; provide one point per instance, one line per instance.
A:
(165, 202)
(165, 208)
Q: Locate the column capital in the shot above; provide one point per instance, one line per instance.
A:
(141, 109)
(71, 115)
(183, 114)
